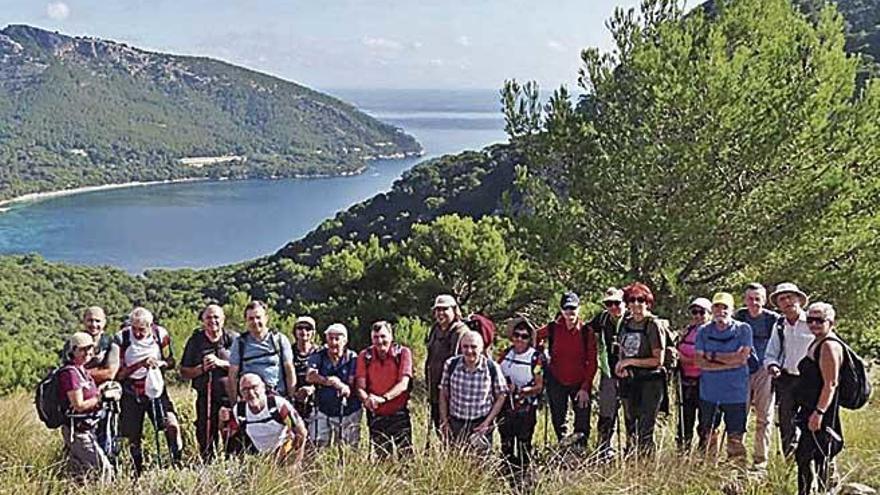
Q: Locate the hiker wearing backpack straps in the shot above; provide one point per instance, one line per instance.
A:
(472, 394)
(82, 398)
(787, 346)
(523, 369)
(263, 423)
(441, 344)
(723, 348)
(205, 361)
(332, 369)
(571, 347)
(144, 349)
(384, 376)
(304, 347)
(642, 378)
(689, 373)
(604, 327)
(263, 351)
(819, 385)
(762, 321)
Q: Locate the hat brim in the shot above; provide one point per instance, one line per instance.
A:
(803, 297)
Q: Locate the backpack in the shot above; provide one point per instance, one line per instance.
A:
(124, 337)
(241, 441)
(485, 327)
(277, 348)
(533, 363)
(395, 351)
(669, 339)
(551, 329)
(493, 372)
(854, 387)
(50, 407)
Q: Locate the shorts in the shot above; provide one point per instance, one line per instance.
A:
(327, 428)
(133, 408)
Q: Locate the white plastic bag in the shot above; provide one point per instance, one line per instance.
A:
(155, 384)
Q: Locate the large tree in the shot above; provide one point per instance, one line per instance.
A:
(708, 148)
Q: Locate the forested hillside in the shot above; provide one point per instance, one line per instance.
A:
(85, 111)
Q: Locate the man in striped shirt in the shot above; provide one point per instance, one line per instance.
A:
(472, 393)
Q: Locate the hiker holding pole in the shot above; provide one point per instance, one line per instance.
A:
(441, 344)
(817, 398)
(145, 350)
(332, 369)
(723, 348)
(205, 361)
(523, 367)
(304, 347)
(689, 373)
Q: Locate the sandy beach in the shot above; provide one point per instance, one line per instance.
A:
(32, 197)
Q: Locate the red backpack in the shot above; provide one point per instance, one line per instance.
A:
(485, 327)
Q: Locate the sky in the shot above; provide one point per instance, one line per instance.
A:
(436, 44)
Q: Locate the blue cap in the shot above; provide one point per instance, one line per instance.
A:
(570, 300)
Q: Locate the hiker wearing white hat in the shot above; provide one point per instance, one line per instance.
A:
(442, 344)
(604, 326)
(788, 344)
(332, 369)
(700, 310)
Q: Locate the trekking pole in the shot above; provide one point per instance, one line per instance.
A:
(157, 409)
(680, 391)
(209, 438)
(342, 404)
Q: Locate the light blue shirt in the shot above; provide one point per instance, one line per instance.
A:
(263, 357)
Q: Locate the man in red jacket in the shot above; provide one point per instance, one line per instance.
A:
(571, 347)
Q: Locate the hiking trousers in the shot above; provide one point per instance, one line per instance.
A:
(84, 455)
(640, 408)
(558, 396)
(786, 398)
(462, 433)
(207, 440)
(761, 396)
(516, 428)
(688, 409)
(608, 405)
(391, 432)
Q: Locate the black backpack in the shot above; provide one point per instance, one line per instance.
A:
(50, 407)
(854, 387)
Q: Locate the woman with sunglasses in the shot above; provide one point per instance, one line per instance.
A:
(817, 417)
(522, 366)
(689, 373)
(640, 367)
(83, 398)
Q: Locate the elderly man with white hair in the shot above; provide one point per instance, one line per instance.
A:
(332, 369)
(144, 349)
(472, 394)
(264, 424)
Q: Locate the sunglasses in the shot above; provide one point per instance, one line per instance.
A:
(570, 308)
(304, 328)
(816, 320)
(640, 299)
(611, 304)
(696, 312)
(521, 335)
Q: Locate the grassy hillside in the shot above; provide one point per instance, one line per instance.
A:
(82, 111)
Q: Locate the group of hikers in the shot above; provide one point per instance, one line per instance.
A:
(259, 393)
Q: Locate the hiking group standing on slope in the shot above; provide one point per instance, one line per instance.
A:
(258, 393)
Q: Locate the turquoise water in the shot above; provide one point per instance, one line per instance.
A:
(205, 224)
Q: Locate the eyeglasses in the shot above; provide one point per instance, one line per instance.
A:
(639, 299)
(696, 312)
(521, 335)
(816, 320)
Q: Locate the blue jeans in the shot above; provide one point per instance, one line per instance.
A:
(734, 416)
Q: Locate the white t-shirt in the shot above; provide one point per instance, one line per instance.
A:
(268, 435)
(518, 367)
(140, 349)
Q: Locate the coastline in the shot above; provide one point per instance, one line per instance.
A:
(40, 196)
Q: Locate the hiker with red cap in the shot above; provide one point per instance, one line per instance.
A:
(441, 344)
(787, 346)
(571, 347)
(700, 310)
(383, 377)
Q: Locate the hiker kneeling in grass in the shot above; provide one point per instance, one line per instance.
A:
(384, 374)
(472, 393)
(723, 349)
(263, 424)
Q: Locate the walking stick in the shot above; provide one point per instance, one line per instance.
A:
(342, 404)
(209, 438)
(681, 426)
(157, 411)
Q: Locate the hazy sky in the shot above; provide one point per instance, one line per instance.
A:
(351, 43)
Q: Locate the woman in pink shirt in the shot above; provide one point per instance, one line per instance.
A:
(689, 373)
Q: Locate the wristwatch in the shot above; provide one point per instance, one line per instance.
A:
(819, 412)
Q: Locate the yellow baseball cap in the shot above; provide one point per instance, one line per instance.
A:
(725, 298)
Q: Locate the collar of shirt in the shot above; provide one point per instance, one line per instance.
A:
(480, 366)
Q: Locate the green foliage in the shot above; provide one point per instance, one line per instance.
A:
(79, 111)
(707, 153)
